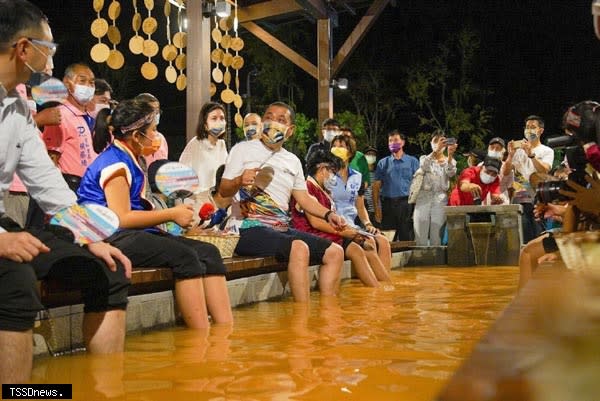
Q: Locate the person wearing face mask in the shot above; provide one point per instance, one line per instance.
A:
(70, 143)
(100, 270)
(264, 177)
(475, 183)
(497, 150)
(429, 216)
(531, 157)
(347, 192)
(329, 130)
(252, 126)
(393, 177)
(371, 158)
(162, 152)
(322, 168)
(207, 151)
(116, 180)
(102, 97)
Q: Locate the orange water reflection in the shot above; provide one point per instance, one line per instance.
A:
(401, 342)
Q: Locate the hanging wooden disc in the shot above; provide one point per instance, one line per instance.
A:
(227, 78)
(99, 27)
(98, 5)
(180, 62)
(226, 23)
(216, 35)
(227, 59)
(114, 35)
(171, 74)
(149, 25)
(237, 63)
(212, 89)
(180, 40)
(136, 44)
(217, 75)
(239, 120)
(216, 56)
(181, 82)
(149, 70)
(115, 59)
(100, 52)
(136, 22)
(167, 8)
(150, 48)
(149, 4)
(169, 52)
(237, 44)
(227, 96)
(226, 41)
(114, 10)
(237, 101)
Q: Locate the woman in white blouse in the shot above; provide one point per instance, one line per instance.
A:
(207, 151)
(429, 215)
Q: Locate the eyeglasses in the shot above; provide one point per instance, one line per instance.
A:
(48, 45)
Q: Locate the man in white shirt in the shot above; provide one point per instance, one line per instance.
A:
(25, 48)
(267, 176)
(526, 157)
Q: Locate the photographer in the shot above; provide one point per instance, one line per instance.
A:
(526, 157)
(582, 191)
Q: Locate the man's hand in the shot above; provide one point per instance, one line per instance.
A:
(49, 116)
(20, 247)
(248, 176)
(549, 211)
(370, 228)
(496, 199)
(183, 214)
(337, 222)
(109, 254)
(452, 150)
(474, 189)
(586, 199)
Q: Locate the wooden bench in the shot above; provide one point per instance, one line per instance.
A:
(149, 280)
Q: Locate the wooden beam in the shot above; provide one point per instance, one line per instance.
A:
(198, 66)
(281, 48)
(324, 92)
(267, 9)
(315, 7)
(357, 35)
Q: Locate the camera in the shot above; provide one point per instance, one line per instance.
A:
(450, 141)
(547, 187)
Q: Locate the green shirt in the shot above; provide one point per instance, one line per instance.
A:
(359, 163)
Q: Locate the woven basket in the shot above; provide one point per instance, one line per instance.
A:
(225, 243)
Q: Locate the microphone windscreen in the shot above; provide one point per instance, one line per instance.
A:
(206, 210)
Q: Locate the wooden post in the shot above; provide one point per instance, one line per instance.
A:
(198, 65)
(325, 93)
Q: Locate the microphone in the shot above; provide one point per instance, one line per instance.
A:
(206, 211)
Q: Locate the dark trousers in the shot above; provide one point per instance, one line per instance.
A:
(397, 215)
(531, 228)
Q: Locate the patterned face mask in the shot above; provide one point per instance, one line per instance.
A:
(274, 132)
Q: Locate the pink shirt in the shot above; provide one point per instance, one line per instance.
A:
(161, 153)
(72, 139)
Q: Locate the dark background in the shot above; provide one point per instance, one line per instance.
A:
(537, 57)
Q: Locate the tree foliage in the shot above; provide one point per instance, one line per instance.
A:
(304, 135)
(357, 123)
(444, 96)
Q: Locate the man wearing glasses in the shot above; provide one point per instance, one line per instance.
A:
(25, 256)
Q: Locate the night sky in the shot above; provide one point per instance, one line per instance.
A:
(537, 57)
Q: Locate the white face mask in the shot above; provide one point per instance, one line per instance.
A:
(496, 154)
(32, 105)
(331, 181)
(83, 94)
(485, 177)
(157, 118)
(531, 134)
(329, 134)
(216, 128)
(371, 159)
(97, 108)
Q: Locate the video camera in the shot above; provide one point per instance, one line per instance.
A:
(547, 187)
